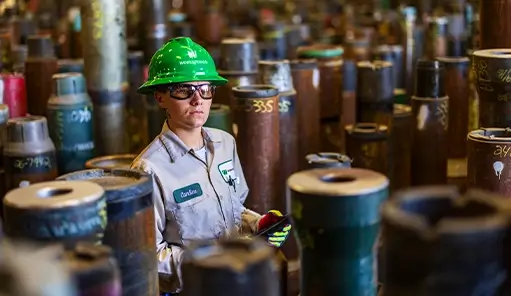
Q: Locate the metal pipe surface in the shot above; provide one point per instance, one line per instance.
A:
(105, 55)
(230, 267)
(430, 112)
(495, 24)
(335, 213)
(438, 242)
(29, 153)
(56, 212)
(257, 116)
(305, 74)
(40, 66)
(94, 270)
(278, 73)
(130, 211)
(368, 145)
(457, 88)
(492, 68)
(70, 122)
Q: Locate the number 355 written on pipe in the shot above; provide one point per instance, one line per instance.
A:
(264, 106)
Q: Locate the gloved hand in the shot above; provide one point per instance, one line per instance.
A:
(278, 237)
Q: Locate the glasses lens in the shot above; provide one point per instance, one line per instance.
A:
(206, 91)
(182, 91)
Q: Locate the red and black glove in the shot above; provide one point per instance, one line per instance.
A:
(279, 236)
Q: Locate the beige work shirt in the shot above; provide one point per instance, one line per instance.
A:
(194, 200)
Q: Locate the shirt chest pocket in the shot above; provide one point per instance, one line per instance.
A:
(235, 205)
(230, 181)
(196, 213)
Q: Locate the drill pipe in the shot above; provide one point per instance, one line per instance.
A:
(375, 92)
(436, 40)
(155, 30)
(238, 64)
(457, 88)
(273, 45)
(409, 16)
(489, 158)
(335, 213)
(56, 212)
(330, 76)
(440, 243)
(130, 211)
(349, 99)
(94, 270)
(29, 153)
(230, 268)
(137, 123)
(368, 145)
(278, 73)
(257, 116)
(495, 24)
(40, 66)
(401, 142)
(105, 57)
(306, 82)
(19, 54)
(70, 122)
(211, 25)
(473, 98)
(492, 68)
(393, 54)
(430, 109)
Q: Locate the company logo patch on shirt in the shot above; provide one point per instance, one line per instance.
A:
(187, 193)
(226, 169)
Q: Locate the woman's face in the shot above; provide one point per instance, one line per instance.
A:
(186, 113)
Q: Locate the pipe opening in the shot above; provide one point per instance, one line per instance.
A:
(337, 179)
(53, 192)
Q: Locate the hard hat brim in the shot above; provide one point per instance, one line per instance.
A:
(149, 86)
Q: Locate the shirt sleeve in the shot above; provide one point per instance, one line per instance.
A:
(168, 241)
(249, 218)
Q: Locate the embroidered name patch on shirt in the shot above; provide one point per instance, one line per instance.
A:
(187, 193)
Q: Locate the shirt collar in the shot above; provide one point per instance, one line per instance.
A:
(175, 146)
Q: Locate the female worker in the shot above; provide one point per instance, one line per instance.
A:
(199, 187)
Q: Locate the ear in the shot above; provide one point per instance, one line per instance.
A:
(159, 97)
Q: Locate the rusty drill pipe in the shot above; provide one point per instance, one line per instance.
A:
(492, 68)
(457, 88)
(401, 138)
(495, 24)
(375, 92)
(306, 82)
(278, 73)
(40, 66)
(257, 116)
(430, 109)
(367, 144)
(489, 159)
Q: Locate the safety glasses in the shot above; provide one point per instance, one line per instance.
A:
(186, 91)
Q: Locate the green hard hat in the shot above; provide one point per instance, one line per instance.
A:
(180, 60)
